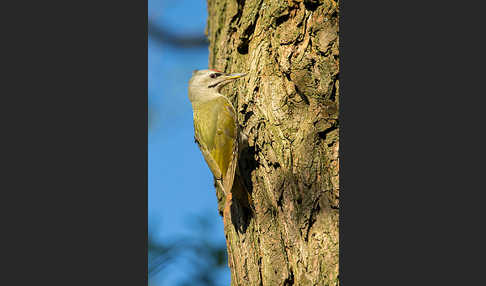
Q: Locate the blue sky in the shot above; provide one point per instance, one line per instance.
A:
(180, 184)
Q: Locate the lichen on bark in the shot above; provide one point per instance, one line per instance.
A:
(288, 106)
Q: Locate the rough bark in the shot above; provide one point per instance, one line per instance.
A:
(288, 107)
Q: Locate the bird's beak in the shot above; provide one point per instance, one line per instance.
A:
(225, 79)
(234, 76)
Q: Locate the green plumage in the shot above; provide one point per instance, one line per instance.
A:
(216, 133)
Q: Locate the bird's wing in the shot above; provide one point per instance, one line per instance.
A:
(215, 127)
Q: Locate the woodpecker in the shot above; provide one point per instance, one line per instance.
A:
(216, 126)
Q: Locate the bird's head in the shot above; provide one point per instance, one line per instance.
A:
(206, 83)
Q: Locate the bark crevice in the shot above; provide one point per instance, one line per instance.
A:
(288, 107)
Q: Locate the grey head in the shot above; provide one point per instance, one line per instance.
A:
(206, 84)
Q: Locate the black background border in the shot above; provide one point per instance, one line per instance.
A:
(75, 143)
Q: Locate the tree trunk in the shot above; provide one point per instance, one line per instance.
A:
(288, 107)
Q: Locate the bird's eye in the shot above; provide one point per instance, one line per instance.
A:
(214, 75)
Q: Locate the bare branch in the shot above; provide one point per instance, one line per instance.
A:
(162, 35)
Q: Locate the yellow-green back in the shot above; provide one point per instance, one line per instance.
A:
(216, 132)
